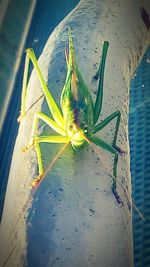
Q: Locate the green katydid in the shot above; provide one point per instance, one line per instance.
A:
(76, 122)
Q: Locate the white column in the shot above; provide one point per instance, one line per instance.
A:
(74, 218)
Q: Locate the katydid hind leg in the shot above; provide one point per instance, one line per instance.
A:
(24, 89)
(50, 100)
(113, 151)
(100, 75)
(67, 56)
(114, 182)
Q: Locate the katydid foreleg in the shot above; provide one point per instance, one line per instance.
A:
(106, 121)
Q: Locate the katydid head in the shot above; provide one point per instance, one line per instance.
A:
(78, 135)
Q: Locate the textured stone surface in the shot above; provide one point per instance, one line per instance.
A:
(74, 219)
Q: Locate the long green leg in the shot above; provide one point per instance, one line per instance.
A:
(112, 150)
(24, 89)
(51, 102)
(70, 57)
(100, 75)
(67, 56)
(46, 139)
(102, 124)
(48, 121)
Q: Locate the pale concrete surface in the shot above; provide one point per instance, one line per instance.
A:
(74, 218)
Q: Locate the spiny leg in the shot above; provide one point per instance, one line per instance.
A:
(45, 139)
(112, 150)
(67, 56)
(70, 62)
(24, 89)
(50, 101)
(48, 121)
(102, 124)
(100, 75)
(39, 157)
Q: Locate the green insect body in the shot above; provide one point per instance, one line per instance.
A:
(76, 123)
(76, 102)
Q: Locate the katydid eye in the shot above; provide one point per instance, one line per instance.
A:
(85, 128)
